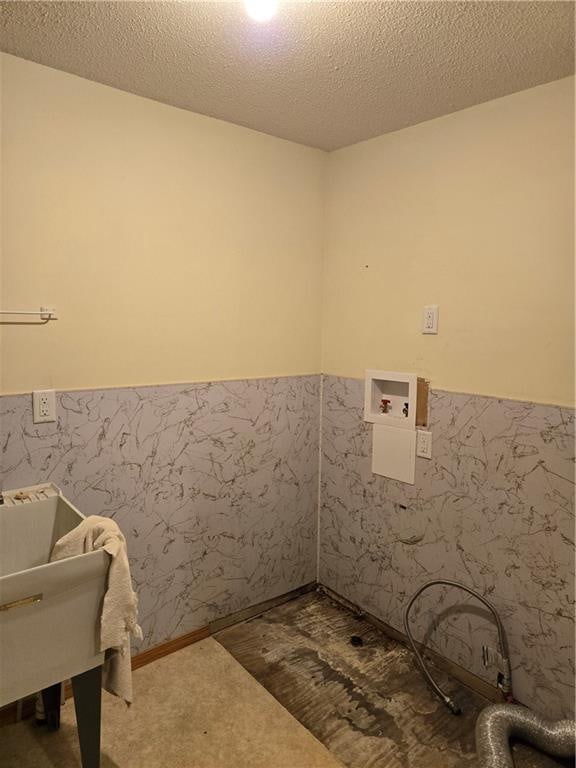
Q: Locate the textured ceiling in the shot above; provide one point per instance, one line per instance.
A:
(320, 73)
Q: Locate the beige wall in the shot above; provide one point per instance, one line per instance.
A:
(181, 248)
(174, 246)
(475, 212)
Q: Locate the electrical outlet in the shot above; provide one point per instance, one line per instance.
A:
(430, 319)
(423, 444)
(44, 406)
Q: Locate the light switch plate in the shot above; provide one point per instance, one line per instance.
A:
(430, 319)
(423, 444)
(44, 406)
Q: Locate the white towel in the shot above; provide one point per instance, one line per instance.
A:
(120, 607)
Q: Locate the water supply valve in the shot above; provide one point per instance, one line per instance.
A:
(385, 405)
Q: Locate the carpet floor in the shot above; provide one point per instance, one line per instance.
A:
(197, 708)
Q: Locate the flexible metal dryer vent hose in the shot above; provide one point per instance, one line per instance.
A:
(497, 723)
(504, 683)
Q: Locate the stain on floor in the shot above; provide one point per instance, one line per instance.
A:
(366, 701)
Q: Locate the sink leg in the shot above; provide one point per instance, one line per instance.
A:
(51, 699)
(87, 702)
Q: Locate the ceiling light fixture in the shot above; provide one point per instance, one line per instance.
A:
(261, 10)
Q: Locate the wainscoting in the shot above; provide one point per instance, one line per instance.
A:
(215, 486)
(494, 508)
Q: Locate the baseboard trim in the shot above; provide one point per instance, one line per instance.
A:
(255, 610)
(177, 643)
(18, 710)
(464, 676)
(169, 646)
(21, 709)
(25, 708)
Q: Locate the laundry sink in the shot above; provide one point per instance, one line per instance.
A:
(49, 612)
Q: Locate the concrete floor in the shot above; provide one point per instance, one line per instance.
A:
(194, 709)
(369, 705)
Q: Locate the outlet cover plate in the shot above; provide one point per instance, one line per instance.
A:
(430, 319)
(44, 406)
(423, 444)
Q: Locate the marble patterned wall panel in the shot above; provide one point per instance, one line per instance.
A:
(494, 508)
(214, 485)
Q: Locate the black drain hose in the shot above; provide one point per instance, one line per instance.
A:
(505, 683)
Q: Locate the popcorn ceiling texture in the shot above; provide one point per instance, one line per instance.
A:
(322, 74)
